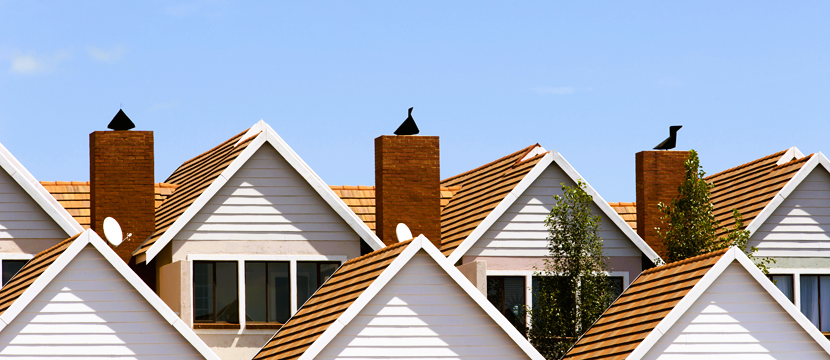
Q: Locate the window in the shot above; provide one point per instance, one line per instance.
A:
(615, 286)
(11, 267)
(312, 275)
(215, 292)
(267, 292)
(815, 293)
(783, 283)
(507, 294)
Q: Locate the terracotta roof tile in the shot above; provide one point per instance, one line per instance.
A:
(193, 178)
(30, 272)
(641, 307)
(482, 189)
(628, 212)
(361, 199)
(328, 303)
(74, 197)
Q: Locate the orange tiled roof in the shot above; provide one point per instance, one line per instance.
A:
(30, 272)
(361, 199)
(193, 178)
(74, 197)
(641, 307)
(627, 211)
(482, 189)
(328, 303)
(750, 187)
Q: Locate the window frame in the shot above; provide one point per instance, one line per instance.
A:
(15, 257)
(529, 280)
(266, 323)
(215, 315)
(241, 259)
(792, 285)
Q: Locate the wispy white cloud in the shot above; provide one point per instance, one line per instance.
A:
(561, 90)
(30, 64)
(669, 82)
(107, 55)
(164, 106)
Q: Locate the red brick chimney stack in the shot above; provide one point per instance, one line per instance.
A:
(407, 180)
(659, 174)
(121, 173)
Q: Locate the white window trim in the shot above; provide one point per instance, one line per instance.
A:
(12, 257)
(796, 273)
(240, 259)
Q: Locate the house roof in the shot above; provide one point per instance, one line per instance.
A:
(349, 290)
(74, 197)
(44, 267)
(361, 199)
(654, 302)
(641, 307)
(482, 189)
(627, 211)
(200, 178)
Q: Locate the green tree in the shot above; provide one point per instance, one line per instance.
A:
(573, 290)
(689, 227)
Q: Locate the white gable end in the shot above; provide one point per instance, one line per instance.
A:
(521, 230)
(736, 318)
(800, 225)
(21, 218)
(422, 313)
(267, 199)
(91, 310)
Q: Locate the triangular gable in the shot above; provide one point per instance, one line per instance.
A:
(706, 305)
(552, 157)
(38, 193)
(260, 134)
(86, 295)
(352, 298)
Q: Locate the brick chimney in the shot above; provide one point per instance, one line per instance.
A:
(407, 180)
(659, 174)
(121, 174)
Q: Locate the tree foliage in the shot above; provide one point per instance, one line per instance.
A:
(573, 290)
(689, 225)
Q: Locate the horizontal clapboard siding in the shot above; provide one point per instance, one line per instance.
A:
(422, 313)
(267, 200)
(21, 217)
(736, 318)
(800, 226)
(90, 311)
(521, 230)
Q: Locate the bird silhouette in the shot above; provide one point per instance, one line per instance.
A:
(408, 127)
(671, 142)
(121, 122)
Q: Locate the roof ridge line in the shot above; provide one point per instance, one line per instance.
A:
(524, 151)
(217, 146)
(685, 261)
(753, 162)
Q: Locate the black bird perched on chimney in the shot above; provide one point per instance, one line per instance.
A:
(408, 127)
(671, 142)
(121, 122)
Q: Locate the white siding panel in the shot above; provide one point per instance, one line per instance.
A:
(736, 318)
(75, 318)
(422, 313)
(267, 200)
(800, 226)
(21, 217)
(521, 230)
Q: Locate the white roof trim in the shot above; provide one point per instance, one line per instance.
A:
(815, 161)
(38, 193)
(791, 154)
(707, 280)
(419, 243)
(267, 135)
(538, 149)
(501, 208)
(90, 237)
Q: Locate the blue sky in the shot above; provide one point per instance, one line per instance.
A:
(597, 81)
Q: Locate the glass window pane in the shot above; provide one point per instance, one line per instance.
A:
(326, 270)
(11, 267)
(824, 305)
(203, 291)
(255, 294)
(514, 296)
(783, 283)
(306, 281)
(809, 298)
(227, 292)
(279, 292)
(495, 292)
(615, 286)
